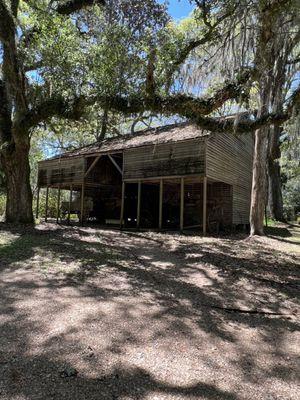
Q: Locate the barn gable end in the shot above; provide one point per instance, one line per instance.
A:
(229, 160)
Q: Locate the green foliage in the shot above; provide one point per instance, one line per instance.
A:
(103, 51)
(52, 202)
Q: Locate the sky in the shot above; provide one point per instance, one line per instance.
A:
(179, 8)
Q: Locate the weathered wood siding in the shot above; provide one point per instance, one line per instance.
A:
(167, 159)
(229, 160)
(219, 203)
(53, 172)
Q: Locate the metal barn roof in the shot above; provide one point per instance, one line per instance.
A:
(165, 134)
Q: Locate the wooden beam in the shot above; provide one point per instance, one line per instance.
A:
(37, 203)
(204, 213)
(115, 163)
(160, 204)
(181, 203)
(58, 205)
(46, 206)
(70, 203)
(92, 166)
(82, 203)
(122, 205)
(138, 211)
(157, 178)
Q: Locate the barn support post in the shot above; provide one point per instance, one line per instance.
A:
(37, 203)
(58, 205)
(70, 203)
(160, 204)
(82, 202)
(181, 203)
(122, 205)
(204, 205)
(47, 201)
(138, 211)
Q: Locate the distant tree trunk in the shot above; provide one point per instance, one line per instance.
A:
(16, 166)
(259, 182)
(277, 99)
(103, 125)
(275, 190)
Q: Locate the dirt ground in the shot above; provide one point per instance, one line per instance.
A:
(91, 313)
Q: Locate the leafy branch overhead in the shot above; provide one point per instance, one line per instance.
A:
(195, 109)
(92, 85)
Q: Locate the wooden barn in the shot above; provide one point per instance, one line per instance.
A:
(172, 177)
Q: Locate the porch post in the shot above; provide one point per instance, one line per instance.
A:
(181, 202)
(37, 203)
(70, 203)
(160, 204)
(58, 205)
(122, 205)
(46, 206)
(82, 202)
(138, 211)
(204, 204)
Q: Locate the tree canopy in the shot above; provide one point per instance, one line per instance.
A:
(102, 63)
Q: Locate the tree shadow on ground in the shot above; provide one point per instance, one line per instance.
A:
(193, 286)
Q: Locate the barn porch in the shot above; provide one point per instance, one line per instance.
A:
(178, 203)
(162, 203)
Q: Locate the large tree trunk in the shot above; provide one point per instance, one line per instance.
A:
(275, 193)
(259, 182)
(19, 195)
(275, 190)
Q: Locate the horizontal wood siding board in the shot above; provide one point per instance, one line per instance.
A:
(229, 159)
(61, 171)
(182, 158)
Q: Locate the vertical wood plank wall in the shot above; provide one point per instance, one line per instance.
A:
(229, 160)
(174, 158)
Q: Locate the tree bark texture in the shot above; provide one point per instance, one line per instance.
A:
(259, 182)
(275, 189)
(19, 195)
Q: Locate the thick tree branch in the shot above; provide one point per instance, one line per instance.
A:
(34, 66)
(13, 75)
(55, 106)
(194, 109)
(6, 22)
(5, 117)
(186, 106)
(71, 6)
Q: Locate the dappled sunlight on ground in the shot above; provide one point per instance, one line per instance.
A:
(147, 315)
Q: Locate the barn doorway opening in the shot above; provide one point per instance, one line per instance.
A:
(171, 204)
(149, 205)
(130, 205)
